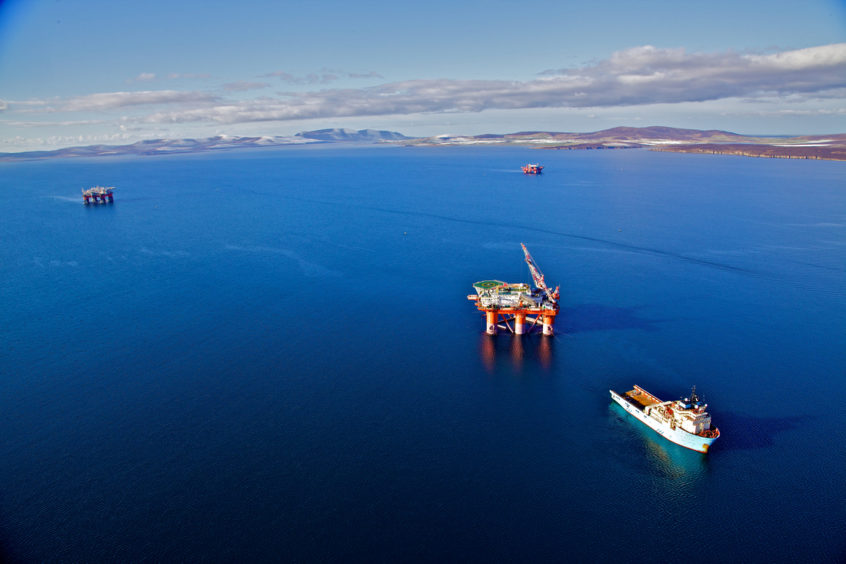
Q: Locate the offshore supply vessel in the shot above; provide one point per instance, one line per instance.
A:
(684, 421)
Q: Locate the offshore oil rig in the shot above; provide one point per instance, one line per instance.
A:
(517, 303)
(98, 195)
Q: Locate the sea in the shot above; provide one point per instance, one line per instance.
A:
(269, 355)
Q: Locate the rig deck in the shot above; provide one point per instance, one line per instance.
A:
(517, 303)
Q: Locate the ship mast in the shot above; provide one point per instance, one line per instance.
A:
(537, 276)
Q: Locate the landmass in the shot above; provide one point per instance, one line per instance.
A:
(827, 147)
(217, 143)
(351, 135)
(828, 152)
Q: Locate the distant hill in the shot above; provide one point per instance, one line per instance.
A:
(656, 133)
(360, 136)
(159, 147)
(220, 142)
(616, 136)
(817, 151)
(830, 147)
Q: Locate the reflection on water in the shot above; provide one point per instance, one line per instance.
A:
(518, 351)
(674, 461)
(545, 352)
(662, 457)
(487, 352)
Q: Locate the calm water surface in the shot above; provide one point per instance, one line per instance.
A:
(270, 356)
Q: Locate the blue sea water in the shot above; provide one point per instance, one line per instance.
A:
(269, 355)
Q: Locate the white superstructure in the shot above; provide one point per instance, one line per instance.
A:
(684, 421)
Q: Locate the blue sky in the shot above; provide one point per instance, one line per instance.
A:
(92, 71)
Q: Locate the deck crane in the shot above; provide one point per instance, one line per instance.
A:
(537, 276)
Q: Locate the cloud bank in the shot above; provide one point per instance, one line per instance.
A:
(116, 100)
(144, 77)
(638, 76)
(243, 86)
(325, 76)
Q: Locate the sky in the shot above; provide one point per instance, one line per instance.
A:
(88, 72)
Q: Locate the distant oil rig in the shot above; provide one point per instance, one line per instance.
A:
(532, 168)
(98, 195)
(518, 303)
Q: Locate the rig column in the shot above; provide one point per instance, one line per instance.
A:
(491, 319)
(519, 323)
(547, 324)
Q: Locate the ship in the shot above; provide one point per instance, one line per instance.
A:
(684, 421)
(532, 169)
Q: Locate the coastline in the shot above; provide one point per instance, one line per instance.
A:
(663, 139)
(823, 153)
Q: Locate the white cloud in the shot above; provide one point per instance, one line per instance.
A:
(188, 76)
(311, 78)
(65, 123)
(244, 86)
(151, 76)
(324, 76)
(638, 76)
(371, 74)
(805, 80)
(144, 77)
(823, 56)
(644, 75)
(114, 100)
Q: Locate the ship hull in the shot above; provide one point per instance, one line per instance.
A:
(677, 435)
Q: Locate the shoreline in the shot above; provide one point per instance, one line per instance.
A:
(827, 153)
(662, 139)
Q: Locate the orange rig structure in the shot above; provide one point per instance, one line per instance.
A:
(98, 195)
(532, 169)
(519, 303)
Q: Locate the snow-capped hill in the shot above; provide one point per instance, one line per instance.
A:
(360, 136)
(216, 143)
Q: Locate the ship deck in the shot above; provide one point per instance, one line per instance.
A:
(641, 398)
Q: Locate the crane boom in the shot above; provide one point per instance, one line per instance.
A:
(537, 276)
